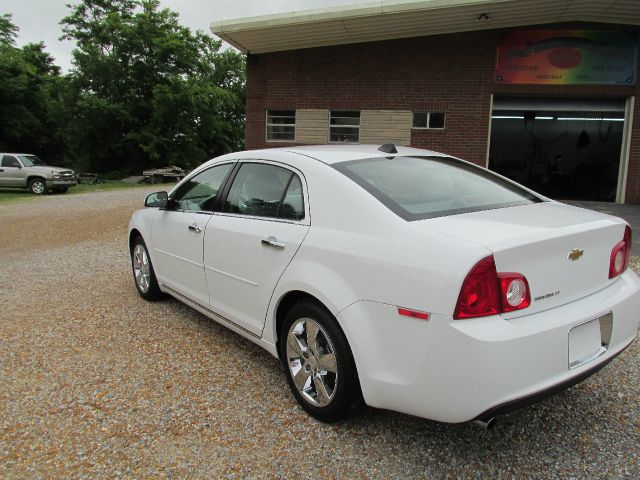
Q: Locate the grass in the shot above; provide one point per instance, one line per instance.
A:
(14, 195)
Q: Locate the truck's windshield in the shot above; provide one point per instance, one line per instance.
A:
(31, 161)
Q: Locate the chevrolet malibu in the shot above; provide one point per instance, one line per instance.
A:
(394, 277)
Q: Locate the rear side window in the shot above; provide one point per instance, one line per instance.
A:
(262, 190)
(416, 188)
(292, 206)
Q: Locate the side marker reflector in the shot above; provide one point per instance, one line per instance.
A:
(413, 313)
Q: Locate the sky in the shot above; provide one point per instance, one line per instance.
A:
(39, 20)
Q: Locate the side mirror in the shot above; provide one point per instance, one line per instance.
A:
(157, 199)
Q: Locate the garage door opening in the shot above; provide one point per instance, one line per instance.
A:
(564, 149)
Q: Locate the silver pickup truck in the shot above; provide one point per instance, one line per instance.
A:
(20, 170)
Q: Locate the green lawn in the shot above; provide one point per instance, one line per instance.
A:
(10, 195)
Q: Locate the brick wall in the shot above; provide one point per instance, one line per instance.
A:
(446, 73)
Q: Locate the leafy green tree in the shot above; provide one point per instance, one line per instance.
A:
(29, 86)
(147, 91)
(8, 31)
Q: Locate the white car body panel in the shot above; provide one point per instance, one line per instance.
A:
(238, 267)
(535, 240)
(455, 370)
(362, 262)
(178, 253)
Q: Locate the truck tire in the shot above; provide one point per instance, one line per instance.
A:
(37, 186)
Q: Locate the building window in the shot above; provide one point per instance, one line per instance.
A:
(344, 127)
(281, 125)
(433, 120)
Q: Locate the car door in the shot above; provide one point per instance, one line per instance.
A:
(178, 233)
(10, 172)
(249, 243)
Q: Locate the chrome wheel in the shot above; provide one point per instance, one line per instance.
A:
(141, 268)
(312, 362)
(37, 187)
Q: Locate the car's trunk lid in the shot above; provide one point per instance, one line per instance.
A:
(563, 251)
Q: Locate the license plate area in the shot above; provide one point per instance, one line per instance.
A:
(589, 340)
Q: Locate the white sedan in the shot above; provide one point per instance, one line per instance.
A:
(397, 277)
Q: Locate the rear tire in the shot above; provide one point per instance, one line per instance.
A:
(318, 363)
(143, 273)
(37, 186)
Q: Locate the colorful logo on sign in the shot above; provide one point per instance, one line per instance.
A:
(567, 57)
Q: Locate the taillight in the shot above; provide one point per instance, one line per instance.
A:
(515, 291)
(620, 255)
(487, 292)
(479, 295)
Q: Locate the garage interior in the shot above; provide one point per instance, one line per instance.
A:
(562, 148)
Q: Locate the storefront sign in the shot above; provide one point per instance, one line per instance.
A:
(567, 57)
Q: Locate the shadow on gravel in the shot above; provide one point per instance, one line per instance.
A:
(560, 433)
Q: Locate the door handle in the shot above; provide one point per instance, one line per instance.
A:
(273, 242)
(195, 228)
(1, 170)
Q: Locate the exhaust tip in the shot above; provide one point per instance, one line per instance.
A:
(487, 423)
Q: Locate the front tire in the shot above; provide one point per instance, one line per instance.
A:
(318, 363)
(37, 186)
(143, 273)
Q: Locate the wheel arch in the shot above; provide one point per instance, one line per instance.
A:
(133, 234)
(286, 302)
(293, 297)
(31, 178)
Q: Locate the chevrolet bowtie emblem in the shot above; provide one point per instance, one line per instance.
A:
(575, 254)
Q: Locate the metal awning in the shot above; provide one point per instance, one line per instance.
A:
(392, 19)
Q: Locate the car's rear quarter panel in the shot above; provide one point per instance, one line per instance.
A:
(454, 370)
(357, 249)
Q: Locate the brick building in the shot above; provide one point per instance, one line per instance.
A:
(542, 91)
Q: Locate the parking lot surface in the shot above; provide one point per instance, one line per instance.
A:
(97, 383)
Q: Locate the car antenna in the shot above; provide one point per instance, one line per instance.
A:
(388, 148)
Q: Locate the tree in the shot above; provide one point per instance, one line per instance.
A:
(147, 91)
(8, 31)
(29, 86)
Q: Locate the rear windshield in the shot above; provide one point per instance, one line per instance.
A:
(416, 188)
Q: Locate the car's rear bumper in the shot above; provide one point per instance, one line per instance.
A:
(459, 370)
(547, 392)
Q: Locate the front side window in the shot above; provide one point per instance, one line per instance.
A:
(199, 192)
(416, 188)
(263, 190)
(281, 125)
(344, 127)
(9, 161)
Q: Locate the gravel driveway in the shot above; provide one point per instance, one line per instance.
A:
(97, 383)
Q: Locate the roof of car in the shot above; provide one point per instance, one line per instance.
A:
(342, 153)
(11, 153)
